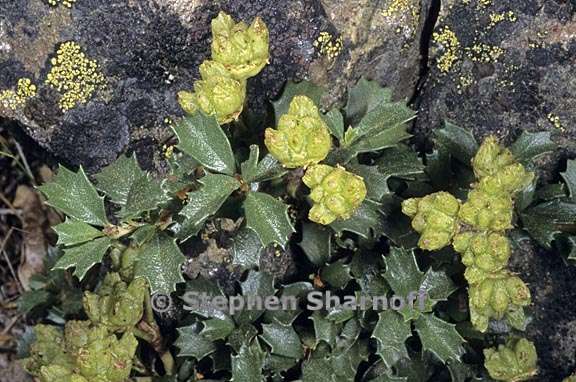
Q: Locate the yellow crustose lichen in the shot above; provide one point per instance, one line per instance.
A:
(13, 99)
(484, 53)
(328, 45)
(74, 75)
(66, 3)
(447, 38)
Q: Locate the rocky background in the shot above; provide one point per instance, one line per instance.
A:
(491, 66)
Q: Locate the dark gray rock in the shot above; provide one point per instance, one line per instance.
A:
(148, 50)
(503, 67)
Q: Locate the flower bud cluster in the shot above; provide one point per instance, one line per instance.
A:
(100, 349)
(239, 52)
(336, 193)
(476, 229)
(515, 361)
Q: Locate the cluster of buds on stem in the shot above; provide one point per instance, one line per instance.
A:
(100, 349)
(513, 362)
(476, 229)
(239, 52)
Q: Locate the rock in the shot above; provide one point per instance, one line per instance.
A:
(503, 67)
(141, 53)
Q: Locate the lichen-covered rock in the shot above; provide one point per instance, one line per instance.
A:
(116, 305)
(336, 193)
(435, 218)
(497, 296)
(242, 49)
(217, 93)
(489, 252)
(503, 67)
(513, 362)
(302, 137)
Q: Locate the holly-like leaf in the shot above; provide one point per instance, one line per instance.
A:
(316, 243)
(292, 89)
(335, 122)
(217, 329)
(248, 364)
(336, 274)
(246, 249)
(283, 340)
(405, 278)
(269, 168)
(459, 142)
(391, 333)
(74, 195)
(367, 219)
(256, 284)
(192, 344)
(530, 146)
(268, 217)
(117, 179)
(399, 162)
(364, 97)
(159, 261)
(73, 232)
(570, 178)
(84, 256)
(203, 139)
(205, 202)
(145, 194)
(547, 220)
(439, 337)
(249, 168)
(325, 330)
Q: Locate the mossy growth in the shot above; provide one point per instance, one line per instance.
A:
(14, 99)
(74, 75)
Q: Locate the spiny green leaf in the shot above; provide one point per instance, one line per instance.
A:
(366, 219)
(530, 146)
(143, 234)
(73, 232)
(117, 179)
(29, 300)
(326, 330)
(458, 141)
(246, 249)
(249, 168)
(385, 138)
(205, 202)
(256, 284)
(268, 217)
(400, 162)
(192, 344)
(283, 340)
(336, 274)
(159, 261)
(84, 256)
(292, 89)
(145, 194)
(570, 178)
(269, 168)
(381, 118)
(335, 122)
(317, 370)
(391, 333)
(439, 337)
(296, 291)
(316, 243)
(203, 139)
(73, 194)
(217, 329)
(376, 184)
(364, 97)
(248, 364)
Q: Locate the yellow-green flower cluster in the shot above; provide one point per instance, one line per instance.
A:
(302, 137)
(100, 349)
(476, 229)
(74, 75)
(513, 362)
(117, 306)
(66, 3)
(239, 52)
(435, 218)
(13, 99)
(336, 193)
